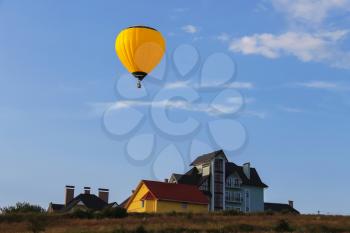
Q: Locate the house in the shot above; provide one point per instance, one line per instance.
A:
(84, 201)
(281, 207)
(227, 185)
(159, 197)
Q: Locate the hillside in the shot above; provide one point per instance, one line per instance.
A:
(182, 223)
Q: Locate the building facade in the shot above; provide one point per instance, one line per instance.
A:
(227, 185)
(85, 201)
(161, 197)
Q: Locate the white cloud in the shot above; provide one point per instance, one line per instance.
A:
(217, 109)
(319, 47)
(190, 29)
(306, 36)
(324, 85)
(187, 84)
(180, 10)
(177, 85)
(240, 85)
(309, 11)
(224, 37)
(291, 110)
(251, 113)
(230, 106)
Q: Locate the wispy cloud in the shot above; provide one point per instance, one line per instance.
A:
(309, 11)
(187, 84)
(181, 9)
(254, 113)
(324, 85)
(211, 109)
(317, 47)
(308, 35)
(241, 85)
(191, 29)
(177, 85)
(224, 37)
(291, 109)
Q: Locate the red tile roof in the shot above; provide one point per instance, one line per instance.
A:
(176, 192)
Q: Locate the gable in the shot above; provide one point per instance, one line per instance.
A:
(208, 157)
(137, 196)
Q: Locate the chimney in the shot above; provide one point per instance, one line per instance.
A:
(87, 190)
(166, 180)
(69, 194)
(291, 203)
(103, 194)
(246, 170)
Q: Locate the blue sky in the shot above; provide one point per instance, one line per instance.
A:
(59, 73)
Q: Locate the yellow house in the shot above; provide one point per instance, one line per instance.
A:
(160, 197)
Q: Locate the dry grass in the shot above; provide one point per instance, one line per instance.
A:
(218, 223)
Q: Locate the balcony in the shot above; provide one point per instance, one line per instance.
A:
(233, 185)
(235, 200)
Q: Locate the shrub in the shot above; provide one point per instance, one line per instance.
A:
(83, 214)
(114, 213)
(36, 223)
(189, 215)
(283, 226)
(232, 213)
(245, 228)
(140, 229)
(120, 230)
(22, 207)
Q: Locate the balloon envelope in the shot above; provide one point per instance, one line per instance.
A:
(140, 49)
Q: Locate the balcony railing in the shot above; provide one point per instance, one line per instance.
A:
(233, 185)
(236, 199)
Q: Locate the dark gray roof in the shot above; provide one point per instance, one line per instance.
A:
(56, 207)
(207, 157)
(279, 207)
(192, 177)
(91, 201)
(124, 202)
(254, 180)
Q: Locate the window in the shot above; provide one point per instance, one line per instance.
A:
(142, 204)
(247, 209)
(233, 182)
(227, 196)
(184, 205)
(237, 196)
(233, 196)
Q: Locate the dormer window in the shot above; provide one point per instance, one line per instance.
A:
(236, 182)
(233, 182)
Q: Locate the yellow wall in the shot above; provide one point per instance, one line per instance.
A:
(136, 206)
(170, 206)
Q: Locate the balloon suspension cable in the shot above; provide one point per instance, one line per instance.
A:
(138, 83)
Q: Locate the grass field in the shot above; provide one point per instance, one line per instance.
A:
(186, 223)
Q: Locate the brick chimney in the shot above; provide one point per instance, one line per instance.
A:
(103, 194)
(291, 203)
(69, 194)
(87, 190)
(246, 170)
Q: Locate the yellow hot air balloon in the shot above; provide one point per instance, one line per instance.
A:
(140, 49)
